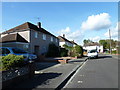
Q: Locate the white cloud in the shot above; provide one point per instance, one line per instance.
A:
(77, 35)
(95, 39)
(113, 32)
(64, 31)
(97, 22)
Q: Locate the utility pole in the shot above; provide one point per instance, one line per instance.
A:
(110, 41)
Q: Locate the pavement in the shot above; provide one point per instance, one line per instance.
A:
(52, 75)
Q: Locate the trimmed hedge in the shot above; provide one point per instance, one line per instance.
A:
(63, 52)
(12, 61)
(53, 50)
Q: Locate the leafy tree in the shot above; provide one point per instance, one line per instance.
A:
(87, 41)
(104, 43)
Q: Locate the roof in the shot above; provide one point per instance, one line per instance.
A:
(13, 38)
(62, 39)
(27, 26)
(74, 43)
(92, 44)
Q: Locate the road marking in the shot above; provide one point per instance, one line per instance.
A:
(82, 75)
(80, 81)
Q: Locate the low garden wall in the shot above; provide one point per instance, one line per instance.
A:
(13, 77)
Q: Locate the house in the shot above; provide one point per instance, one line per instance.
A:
(36, 39)
(74, 44)
(93, 45)
(64, 41)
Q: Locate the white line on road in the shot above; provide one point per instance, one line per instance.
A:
(75, 74)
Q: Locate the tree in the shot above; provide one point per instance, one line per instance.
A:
(87, 41)
(104, 43)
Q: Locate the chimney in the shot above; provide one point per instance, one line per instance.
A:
(64, 35)
(39, 25)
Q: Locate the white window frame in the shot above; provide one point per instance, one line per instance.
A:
(44, 36)
(36, 34)
(51, 39)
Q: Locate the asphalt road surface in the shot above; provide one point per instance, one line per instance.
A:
(96, 73)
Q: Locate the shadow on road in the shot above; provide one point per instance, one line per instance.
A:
(101, 57)
(72, 61)
(39, 79)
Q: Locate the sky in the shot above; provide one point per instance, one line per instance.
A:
(77, 20)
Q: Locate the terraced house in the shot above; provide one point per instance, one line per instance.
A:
(28, 36)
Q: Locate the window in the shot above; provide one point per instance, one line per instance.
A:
(51, 39)
(44, 37)
(56, 40)
(5, 51)
(36, 35)
(18, 51)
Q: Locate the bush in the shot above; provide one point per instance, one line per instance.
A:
(53, 50)
(79, 50)
(74, 51)
(12, 61)
(63, 52)
(114, 52)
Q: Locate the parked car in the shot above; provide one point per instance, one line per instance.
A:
(17, 51)
(92, 54)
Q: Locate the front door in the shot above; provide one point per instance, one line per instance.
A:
(36, 49)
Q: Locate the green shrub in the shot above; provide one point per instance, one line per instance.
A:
(78, 50)
(12, 61)
(114, 52)
(73, 51)
(63, 52)
(53, 50)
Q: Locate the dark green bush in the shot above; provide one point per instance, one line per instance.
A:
(73, 51)
(63, 52)
(53, 50)
(79, 50)
(12, 61)
(114, 52)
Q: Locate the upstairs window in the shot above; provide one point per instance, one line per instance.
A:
(36, 35)
(56, 40)
(51, 39)
(44, 37)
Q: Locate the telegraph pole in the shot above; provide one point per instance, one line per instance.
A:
(110, 41)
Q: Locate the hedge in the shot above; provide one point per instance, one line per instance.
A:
(12, 61)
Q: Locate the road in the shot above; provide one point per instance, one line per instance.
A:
(96, 73)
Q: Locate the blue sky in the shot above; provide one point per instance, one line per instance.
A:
(78, 20)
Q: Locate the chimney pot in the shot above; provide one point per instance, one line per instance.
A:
(39, 25)
(64, 35)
